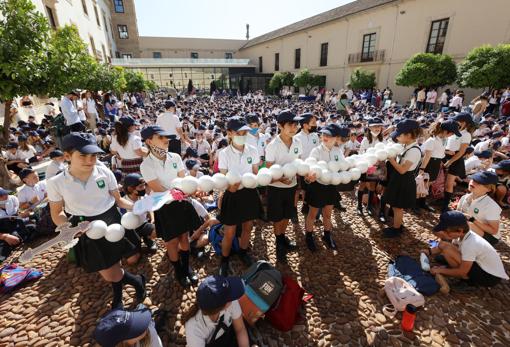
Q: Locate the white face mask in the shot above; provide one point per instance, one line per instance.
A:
(375, 134)
(239, 140)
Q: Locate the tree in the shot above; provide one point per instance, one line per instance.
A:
(280, 80)
(24, 35)
(362, 79)
(288, 79)
(135, 81)
(304, 79)
(427, 70)
(105, 78)
(151, 86)
(486, 66)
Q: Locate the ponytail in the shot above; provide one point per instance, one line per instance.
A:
(435, 129)
(122, 133)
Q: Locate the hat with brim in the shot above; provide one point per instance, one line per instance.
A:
(128, 121)
(450, 219)
(327, 131)
(502, 165)
(152, 130)
(216, 291)
(485, 177)
(405, 126)
(4, 192)
(82, 142)
(237, 124)
(452, 127)
(286, 117)
(120, 325)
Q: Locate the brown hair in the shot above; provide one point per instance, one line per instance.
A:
(415, 133)
(435, 129)
(193, 310)
(463, 228)
(145, 342)
(122, 133)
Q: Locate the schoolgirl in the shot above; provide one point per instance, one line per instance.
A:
(400, 191)
(238, 206)
(373, 135)
(503, 171)
(254, 137)
(87, 192)
(127, 146)
(175, 220)
(321, 195)
(455, 150)
(15, 162)
(26, 151)
(434, 152)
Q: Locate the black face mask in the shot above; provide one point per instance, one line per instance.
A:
(323, 119)
(313, 129)
(140, 192)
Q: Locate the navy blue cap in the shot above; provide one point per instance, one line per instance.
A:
(450, 219)
(252, 118)
(463, 117)
(376, 121)
(82, 142)
(451, 126)
(405, 126)
(132, 180)
(4, 191)
(190, 164)
(33, 133)
(485, 177)
(484, 154)
(128, 121)
(237, 124)
(119, 325)
(25, 172)
(327, 131)
(216, 291)
(497, 134)
(12, 145)
(503, 165)
(287, 116)
(22, 138)
(469, 150)
(152, 130)
(56, 153)
(342, 131)
(169, 103)
(305, 117)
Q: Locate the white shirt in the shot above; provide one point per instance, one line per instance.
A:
(453, 143)
(165, 171)
(277, 152)
(321, 152)
(231, 159)
(475, 248)
(54, 168)
(352, 145)
(456, 101)
(436, 146)
(482, 145)
(201, 147)
(69, 111)
(258, 142)
(365, 144)
(199, 208)
(91, 106)
(432, 96)
(200, 328)
(472, 163)
(308, 142)
(484, 209)
(169, 122)
(127, 151)
(79, 104)
(9, 207)
(23, 155)
(86, 199)
(413, 155)
(27, 193)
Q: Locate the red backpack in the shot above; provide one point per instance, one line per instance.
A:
(285, 311)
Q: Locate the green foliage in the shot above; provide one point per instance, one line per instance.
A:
(427, 70)
(486, 66)
(135, 81)
(304, 79)
(151, 86)
(362, 79)
(280, 80)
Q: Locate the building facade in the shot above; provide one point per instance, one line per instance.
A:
(125, 28)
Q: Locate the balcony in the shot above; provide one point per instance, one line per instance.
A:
(180, 62)
(366, 57)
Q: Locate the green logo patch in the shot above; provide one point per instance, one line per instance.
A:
(174, 165)
(476, 210)
(249, 160)
(314, 141)
(295, 150)
(101, 184)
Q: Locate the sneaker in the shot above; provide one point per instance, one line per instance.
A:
(289, 244)
(246, 259)
(224, 269)
(370, 210)
(360, 210)
(328, 240)
(427, 207)
(183, 280)
(310, 242)
(391, 232)
(281, 253)
(200, 253)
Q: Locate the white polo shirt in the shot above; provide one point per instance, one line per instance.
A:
(484, 209)
(169, 122)
(231, 159)
(453, 143)
(321, 152)
(200, 328)
(308, 141)
(9, 207)
(472, 163)
(24, 155)
(128, 150)
(27, 193)
(482, 146)
(411, 154)
(86, 199)
(258, 142)
(277, 152)
(201, 147)
(54, 168)
(436, 145)
(475, 248)
(165, 171)
(365, 144)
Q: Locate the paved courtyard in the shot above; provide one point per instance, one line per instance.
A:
(62, 307)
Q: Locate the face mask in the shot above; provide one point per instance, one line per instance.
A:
(140, 192)
(239, 140)
(375, 134)
(313, 129)
(323, 119)
(160, 152)
(253, 131)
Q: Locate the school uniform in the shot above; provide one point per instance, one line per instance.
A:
(259, 142)
(244, 204)
(170, 122)
(320, 194)
(175, 218)
(366, 144)
(401, 189)
(483, 209)
(54, 168)
(27, 193)
(453, 144)
(280, 197)
(308, 142)
(437, 147)
(89, 201)
(130, 161)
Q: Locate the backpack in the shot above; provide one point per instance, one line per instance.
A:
(437, 187)
(216, 237)
(402, 293)
(12, 275)
(285, 312)
(410, 270)
(263, 284)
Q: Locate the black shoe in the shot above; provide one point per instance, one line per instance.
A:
(328, 240)
(140, 297)
(192, 276)
(310, 242)
(246, 259)
(151, 244)
(289, 244)
(281, 252)
(183, 280)
(415, 210)
(427, 207)
(224, 269)
(382, 218)
(360, 210)
(391, 232)
(370, 211)
(200, 253)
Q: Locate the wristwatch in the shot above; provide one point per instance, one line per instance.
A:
(471, 219)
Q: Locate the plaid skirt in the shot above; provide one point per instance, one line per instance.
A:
(131, 165)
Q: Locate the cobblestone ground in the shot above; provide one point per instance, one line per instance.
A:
(63, 306)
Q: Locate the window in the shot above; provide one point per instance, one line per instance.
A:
(324, 54)
(104, 52)
(297, 58)
(194, 55)
(260, 65)
(123, 31)
(127, 55)
(51, 17)
(97, 17)
(119, 6)
(277, 62)
(156, 55)
(105, 24)
(92, 46)
(368, 48)
(437, 36)
(84, 4)
(228, 55)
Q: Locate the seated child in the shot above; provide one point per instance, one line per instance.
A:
(57, 164)
(503, 186)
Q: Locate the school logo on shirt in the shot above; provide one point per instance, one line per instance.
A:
(296, 150)
(314, 141)
(101, 184)
(476, 210)
(336, 157)
(174, 165)
(249, 160)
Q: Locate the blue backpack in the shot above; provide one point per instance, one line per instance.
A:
(410, 270)
(216, 237)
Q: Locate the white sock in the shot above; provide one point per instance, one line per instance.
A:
(425, 263)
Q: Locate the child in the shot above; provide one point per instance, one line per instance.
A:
(474, 260)
(56, 165)
(482, 212)
(33, 192)
(503, 171)
(87, 192)
(127, 146)
(400, 192)
(175, 220)
(15, 162)
(26, 151)
(193, 168)
(238, 206)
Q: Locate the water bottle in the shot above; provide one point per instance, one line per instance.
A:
(408, 317)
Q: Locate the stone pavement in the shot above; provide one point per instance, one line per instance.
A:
(61, 308)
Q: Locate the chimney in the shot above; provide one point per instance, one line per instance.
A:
(247, 31)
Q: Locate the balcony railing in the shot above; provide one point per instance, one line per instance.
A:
(179, 62)
(366, 57)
